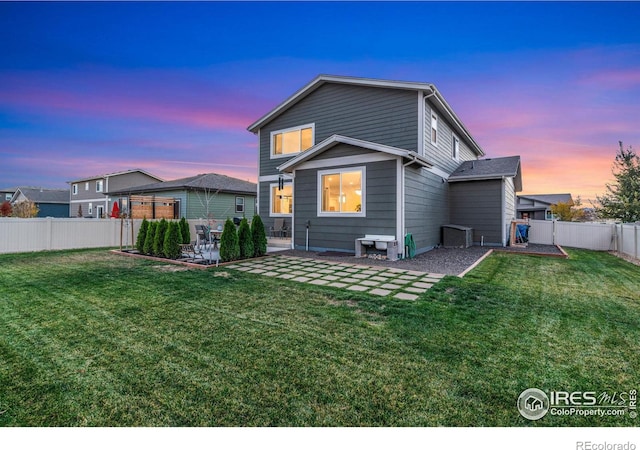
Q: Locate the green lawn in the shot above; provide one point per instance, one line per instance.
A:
(88, 338)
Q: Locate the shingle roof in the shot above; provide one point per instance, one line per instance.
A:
(107, 175)
(211, 181)
(41, 195)
(488, 169)
(551, 199)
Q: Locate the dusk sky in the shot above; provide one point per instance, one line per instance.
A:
(92, 88)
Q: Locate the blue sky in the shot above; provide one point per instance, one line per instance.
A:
(90, 88)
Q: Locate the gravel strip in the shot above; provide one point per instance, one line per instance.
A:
(447, 261)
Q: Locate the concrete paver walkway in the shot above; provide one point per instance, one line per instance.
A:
(399, 283)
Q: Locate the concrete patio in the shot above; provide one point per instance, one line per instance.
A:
(394, 282)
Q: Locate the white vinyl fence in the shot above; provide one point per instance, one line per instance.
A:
(624, 238)
(29, 235)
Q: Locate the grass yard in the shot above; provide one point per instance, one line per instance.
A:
(88, 338)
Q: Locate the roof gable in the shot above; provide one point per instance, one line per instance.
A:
(41, 195)
(338, 139)
(429, 89)
(114, 174)
(489, 169)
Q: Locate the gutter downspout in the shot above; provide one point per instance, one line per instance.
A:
(503, 214)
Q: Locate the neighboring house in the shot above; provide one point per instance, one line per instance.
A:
(538, 207)
(204, 196)
(344, 157)
(90, 197)
(7, 194)
(50, 202)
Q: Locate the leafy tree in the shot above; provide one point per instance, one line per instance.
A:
(259, 236)
(150, 238)
(245, 239)
(158, 239)
(622, 200)
(5, 209)
(25, 209)
(568, 211)
(172, 241)
(185, 231)
(229, 245)
(142, 234)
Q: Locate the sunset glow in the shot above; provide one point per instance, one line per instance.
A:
(91, 88)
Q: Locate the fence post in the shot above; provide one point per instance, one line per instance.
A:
(554, 232)
(49, 233)
(635, 241)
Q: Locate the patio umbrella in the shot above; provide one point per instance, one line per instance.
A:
(115, 212)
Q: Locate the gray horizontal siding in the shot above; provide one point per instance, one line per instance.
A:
(386, 116)
(220, 206)
(426, 207)
(478, 204)
(340, 233)
(441, 155)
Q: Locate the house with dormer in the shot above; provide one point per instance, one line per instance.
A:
(346, 157)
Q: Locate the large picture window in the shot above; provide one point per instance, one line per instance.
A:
(341, 192)
(281, 200)
(291, 141)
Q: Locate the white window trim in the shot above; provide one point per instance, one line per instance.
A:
(340, 170)
(455, 152)
(90, 209)
(286, 130)
(86, 186)
(99, 185)
(243, 204)
(74, 189)
(433, 114)
(271, 213)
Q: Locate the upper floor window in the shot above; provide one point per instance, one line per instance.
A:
(341, 191)
(74, 189)
(99, 186)
(86, 186)
(239, 204)
(455, 147)
(434, 128)
(291, 140)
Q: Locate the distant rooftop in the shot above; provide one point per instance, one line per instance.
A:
(205, 181)
(107, 175)
(43, 195)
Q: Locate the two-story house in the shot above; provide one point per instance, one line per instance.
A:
(344, 157)
(89, 197)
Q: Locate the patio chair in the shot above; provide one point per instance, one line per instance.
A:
(279, 228)
(202, 235)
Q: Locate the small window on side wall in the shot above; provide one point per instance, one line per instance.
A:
(99, 186)
(455, 147)
(239, 204)
(434, 128)
(74, 189)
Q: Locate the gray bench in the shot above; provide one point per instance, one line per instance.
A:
(379, 242)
